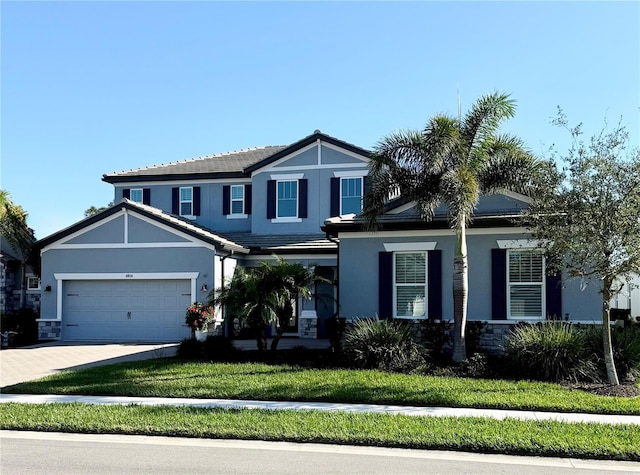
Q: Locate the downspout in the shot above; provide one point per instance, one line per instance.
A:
(222, 259)
(337, 241)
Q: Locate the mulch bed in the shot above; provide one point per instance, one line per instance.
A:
(621, 390)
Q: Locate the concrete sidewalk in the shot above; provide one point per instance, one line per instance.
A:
(325, 407)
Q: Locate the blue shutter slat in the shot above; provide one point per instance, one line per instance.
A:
(175, 201)
(196, 201)
(553, 288)
(499, 284)
(247, 199)
(146, 196)
(226, 199)
(385, 285)
(435, 285)
(271, 199)
(335, 196)
(126, 193)
(302, 198)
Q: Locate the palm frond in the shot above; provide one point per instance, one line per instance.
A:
(509, 167)
(484, 118)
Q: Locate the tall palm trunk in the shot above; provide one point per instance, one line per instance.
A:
(612, 374)
(460, 295)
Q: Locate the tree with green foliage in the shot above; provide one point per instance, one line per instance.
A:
(587, 215)
(92, 210)
(451, 161)
(14, 228)
(264, 295)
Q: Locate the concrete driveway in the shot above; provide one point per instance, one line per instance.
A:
(32, 362)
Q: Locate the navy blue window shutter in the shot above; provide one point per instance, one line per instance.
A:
(196, 201)
(335, 196)
(247, 199)
(271, 199)
(146, 196)
(126, 193)
(385, 285)
(366, 188)
(499, 284)
(435, 285)
(553, 288)
(302, 198)
(175, 200)
(226, 199)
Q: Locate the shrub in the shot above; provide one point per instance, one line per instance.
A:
(626, 348)
(190, 349)
(434, 336)
(219, 348)
(550, 351)
(382, 344)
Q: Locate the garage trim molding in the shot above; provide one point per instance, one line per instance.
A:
(60, 277)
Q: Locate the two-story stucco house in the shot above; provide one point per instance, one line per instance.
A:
(178, 229)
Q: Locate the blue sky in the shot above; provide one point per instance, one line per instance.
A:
(94, 87)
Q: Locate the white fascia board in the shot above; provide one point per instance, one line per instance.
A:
(402, 208)
(351, 173)
(517, 196)
(410, 246)
(429, 233)
(273, 167)
(186, 182)
(287, 176)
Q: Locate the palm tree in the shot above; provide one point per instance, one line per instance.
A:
(452, 161)
(265, 294)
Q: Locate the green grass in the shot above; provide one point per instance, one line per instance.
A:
(174, 378)
(545, 438)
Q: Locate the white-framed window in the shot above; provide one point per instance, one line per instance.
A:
(33, 282)
(186, 201)
(136, 195)
(237, 200)
(350, 195)
(410, 284)
(287, 199)
(525, 284)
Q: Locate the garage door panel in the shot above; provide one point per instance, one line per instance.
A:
(150, 310)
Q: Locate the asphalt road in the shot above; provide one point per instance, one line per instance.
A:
(53, 453)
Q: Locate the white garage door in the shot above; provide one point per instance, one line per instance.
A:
(121, 310)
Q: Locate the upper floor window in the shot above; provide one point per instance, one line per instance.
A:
(186, 201)
(139, 195)
(350, 195)
(410, 284)
(525, 284)
(347, 192)
(136, 195)
(237, 199)
(287, 199)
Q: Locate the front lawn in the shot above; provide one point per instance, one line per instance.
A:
(542, 438)
(175, 378)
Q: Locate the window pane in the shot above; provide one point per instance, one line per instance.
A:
(351, 195)
(287, 199)
(410, 268)
(186, 194)
(237, 192)
(185, 209)
(237, 207)
(525, 266)
(410, 301)
(526, 301)
(136, 195)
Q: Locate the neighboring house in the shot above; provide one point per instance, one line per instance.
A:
(404, 270)
(178, 230)
(12, 279)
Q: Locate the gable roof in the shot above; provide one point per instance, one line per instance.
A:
(237, 164)
(175, 222)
